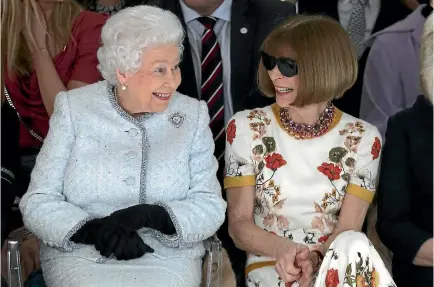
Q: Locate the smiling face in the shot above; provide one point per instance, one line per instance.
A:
(324, 57)
(150, 88)
(286, 88)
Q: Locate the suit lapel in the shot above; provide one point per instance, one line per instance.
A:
(243, 29)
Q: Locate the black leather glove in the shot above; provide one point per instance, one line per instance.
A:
(143, 215)
(122, 242)
(88, 233)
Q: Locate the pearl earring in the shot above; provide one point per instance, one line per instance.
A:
(124, 87)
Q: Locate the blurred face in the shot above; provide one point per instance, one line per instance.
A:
(283, 73)
(151, 88)
(203, 7)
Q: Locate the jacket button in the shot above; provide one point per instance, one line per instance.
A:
(132, 154)
(130, 180)
(133, 132)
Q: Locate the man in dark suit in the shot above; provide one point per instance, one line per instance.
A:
(378, 14)
(220, 61)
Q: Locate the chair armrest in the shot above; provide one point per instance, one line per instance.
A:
(217, 268)
(212, 271)
(14, 263)
(20, 256)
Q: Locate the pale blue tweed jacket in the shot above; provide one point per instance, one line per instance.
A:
(97, 159)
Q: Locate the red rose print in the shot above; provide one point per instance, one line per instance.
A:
(376, 148)
(332, 278)
(274, 161)
(330, 170)
(231, 131)
(323, 239)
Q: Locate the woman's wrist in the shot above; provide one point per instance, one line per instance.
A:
(318, 257)
(39, 51)
(280, 241)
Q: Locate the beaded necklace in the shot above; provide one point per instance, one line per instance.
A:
(303, 131)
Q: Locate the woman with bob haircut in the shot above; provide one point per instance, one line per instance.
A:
(300, 174)
(405, 191)
(124, 191)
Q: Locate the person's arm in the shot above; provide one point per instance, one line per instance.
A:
(411, 4)
(202, 212)
(382, 92)
(424, 257)
(240, 181)
(49, 81)
(84, 71)
(351, 217)
(244, 232)
(394, 224)
(361, 187)
(46, 213)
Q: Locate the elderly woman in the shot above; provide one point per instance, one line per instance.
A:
(405, 197)
(300, 174)
(125, 191)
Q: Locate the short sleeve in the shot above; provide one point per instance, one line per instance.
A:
(363, 180)
(240, 167)
(85, 68)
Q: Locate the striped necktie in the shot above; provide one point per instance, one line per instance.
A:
(212, 85)
(357, 26)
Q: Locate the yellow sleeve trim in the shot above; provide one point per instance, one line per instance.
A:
(360, 192)
(258, 265)
(240, 181)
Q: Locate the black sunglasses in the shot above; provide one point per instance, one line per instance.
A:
(288, 67)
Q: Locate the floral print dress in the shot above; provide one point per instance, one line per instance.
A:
(300, 187)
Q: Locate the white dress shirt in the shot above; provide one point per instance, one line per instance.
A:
(372, 10)
(222, 29)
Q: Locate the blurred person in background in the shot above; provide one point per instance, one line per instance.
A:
(49, 46)
(103, 6)
(405, 191)
(361, 19)
(391, 81)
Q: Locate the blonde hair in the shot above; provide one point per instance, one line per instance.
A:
(426, 59)
(16, 19)
(326, 58)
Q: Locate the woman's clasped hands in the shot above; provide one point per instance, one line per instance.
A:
(295, 262)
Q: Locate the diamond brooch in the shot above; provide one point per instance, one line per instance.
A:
(177, 119)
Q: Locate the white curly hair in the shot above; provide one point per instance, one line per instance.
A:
(129, 32)
(426, 59)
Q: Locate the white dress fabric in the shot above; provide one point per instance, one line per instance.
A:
(300, 187)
